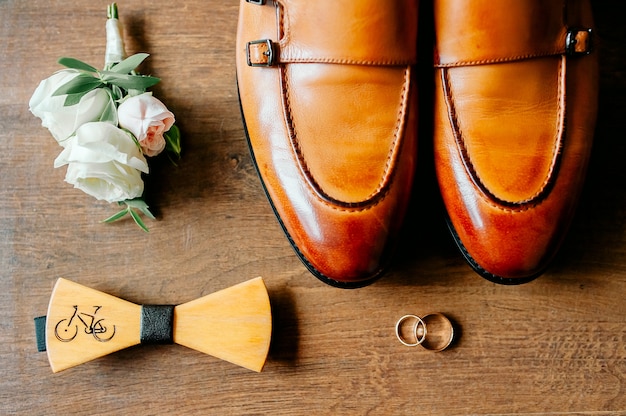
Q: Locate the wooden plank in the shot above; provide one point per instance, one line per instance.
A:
(554, 346)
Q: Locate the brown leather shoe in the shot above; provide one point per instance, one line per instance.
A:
(515, 109)
(329, 111)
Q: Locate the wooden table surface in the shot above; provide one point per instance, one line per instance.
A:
(553, 346)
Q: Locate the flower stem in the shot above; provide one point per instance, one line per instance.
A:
(112, 11)
(114, 52)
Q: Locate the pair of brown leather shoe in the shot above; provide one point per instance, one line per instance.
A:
(329, 102)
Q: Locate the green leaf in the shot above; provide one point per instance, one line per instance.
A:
(80, 84)
(117, 216)
(138, 220)
(147, 213)
(172, 140)
(73, 99)
(109, 114)
(76, 64)
(130, 63)
(141, 205)
(129, 82)
(117, 92)
(132, 204)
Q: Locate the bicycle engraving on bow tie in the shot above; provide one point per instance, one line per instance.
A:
(67, 329)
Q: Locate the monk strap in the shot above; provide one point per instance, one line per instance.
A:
(578, 42)
(260, 53)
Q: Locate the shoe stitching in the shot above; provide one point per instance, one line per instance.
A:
(347, 61)
(383, 187)
(284, 37)
(548, 184)
(556, 52)
(319, 275)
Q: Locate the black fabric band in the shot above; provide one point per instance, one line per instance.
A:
(40, 333)
(157, 324)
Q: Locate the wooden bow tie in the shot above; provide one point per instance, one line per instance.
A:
(82, 324)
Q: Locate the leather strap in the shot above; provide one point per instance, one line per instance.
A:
(471, 32)
(366, 32)
(157, 324)
(40, 333)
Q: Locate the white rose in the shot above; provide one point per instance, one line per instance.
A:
(63, 121)
(104, 162)
(147, 118)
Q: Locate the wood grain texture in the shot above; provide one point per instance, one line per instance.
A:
(234, 324)
(83, 324)
(553, 346)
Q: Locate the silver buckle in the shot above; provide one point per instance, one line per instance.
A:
(269, 52)
(572, 47)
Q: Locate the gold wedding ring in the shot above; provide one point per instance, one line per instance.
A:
(433, 331)
(417, 330)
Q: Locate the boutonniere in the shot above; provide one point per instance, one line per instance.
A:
(108, 124)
